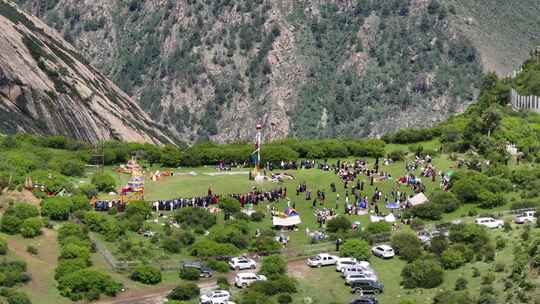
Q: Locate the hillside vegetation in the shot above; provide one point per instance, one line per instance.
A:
(212, 69)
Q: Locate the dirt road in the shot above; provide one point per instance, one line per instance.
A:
(157, 295)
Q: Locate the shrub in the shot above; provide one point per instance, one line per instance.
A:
(69, 266)
(358, 249)
(229, 207)
(31, 227)
(74, 251)
(438, 245)
(423, 272)
(284, 298)
(10, 224)
(396, 155)
(378, 228)
(87, 283)
(407, 245)
(184, 292)
(56, 208)
(429, 211)
(104, 182)
(22, 211)
(190, 274)
(278, 284)
(3, 247)
(273, 265)
(461, 284)
(338, 224)
(195, 217)
(488, 278)
(452, 259)
(171, 244)
(206, 248)
(146, 274)
(257, 216)
(89, 190)
(266, 244)
(446, 200)
(499, 267)
(18, 297)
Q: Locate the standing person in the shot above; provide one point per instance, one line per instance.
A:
(338, 244)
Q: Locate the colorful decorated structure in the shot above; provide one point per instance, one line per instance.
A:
(134, 190)
(256, 155)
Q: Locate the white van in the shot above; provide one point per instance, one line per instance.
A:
(244, 279)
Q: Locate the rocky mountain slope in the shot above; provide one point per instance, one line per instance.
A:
(46, 87)
(333, 68)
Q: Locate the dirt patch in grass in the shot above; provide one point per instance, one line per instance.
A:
(26, 196)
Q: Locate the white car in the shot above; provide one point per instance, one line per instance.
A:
(242, 263)
(489, 222)
(357, 276)
(358, 267)
(383, 251)
(526, 217)
(344, 262)
(244, 279)
(216, 297)
(321, 259)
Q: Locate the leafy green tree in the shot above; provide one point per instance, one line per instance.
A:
(3, 247)
(452, 259)
(31, 227)
(378, 228)
(229, 206)
(184, 292)
(358, 249)
(206, 248)
(22, 211)
(195, 218)
(69, 266)
(104, 182)
(338, 224)
(146, 274)
(90, 190)
(56, 208)
(422, 273)
(80, 284)
(273, 265)
(10, 224)
(447, 200)
(407, 245)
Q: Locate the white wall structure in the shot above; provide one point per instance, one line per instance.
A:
(529, 103)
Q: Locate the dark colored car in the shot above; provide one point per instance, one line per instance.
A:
(365, 300)
(205, 272)
(364, 287)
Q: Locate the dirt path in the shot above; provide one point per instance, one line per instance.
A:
(296, 269)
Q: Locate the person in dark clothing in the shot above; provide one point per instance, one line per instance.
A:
(338, 243)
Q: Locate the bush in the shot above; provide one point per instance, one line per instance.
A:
(87, 284)
(104, 182)
(266, 245)
(338, 224)
(10, 224)
(358, 249)
(279, 284)
(22, 211)
(206, 248)
(69, 266)
(423, 273)
(452, 259)
(257, 216)
(407, 245)
(273, 265)
(438, 245)
(190, 274)
(31, 227)
(429, 211)
(89, 190)
(18, 297)
(146, 274)
(378, 228)
(223, 283)
(461, 284)
(284, 298)
(74, 251)
(445, 200)
(3, 247)
(56, 208)
(396, 155)
(171, 244)
(184, 292)
(195, 218)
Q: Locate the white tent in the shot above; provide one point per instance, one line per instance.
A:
(286, 221)
(390, 218)
(418, 199)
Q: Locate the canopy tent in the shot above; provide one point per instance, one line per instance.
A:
(390, 218)
(286, 221)
(394, 205)
(418, 199)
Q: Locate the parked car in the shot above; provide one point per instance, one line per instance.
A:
(489, 222)
(344, 262)
(352, 277)
(216, 297)
(383, 251)
(205, 272)
(244, 279)
(321, 259)
(364, 287)
(241, 263)
(356, 268)
(526, 217)
(365, 300)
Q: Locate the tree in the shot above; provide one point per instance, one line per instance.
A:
(358, 249)
(3, 247)
(69, 266)
(206, 248)
(338, 224)
(31, 227)
(438, 244)
(56, 208)
(407, 245)
(423, 273)
(378, 228)
(491, 119)
(452, 258)
(447, 200)
(81, 284)
(184, 292)
(195, 218)
(22, 211)
(90, 190)
(229, 206)
(146, 274)
(104, 182)
(273, 265)
(10, 224)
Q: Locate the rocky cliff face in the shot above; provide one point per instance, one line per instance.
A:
(334, 68)
(46, 87)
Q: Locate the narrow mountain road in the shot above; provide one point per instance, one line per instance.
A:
(156, 295)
